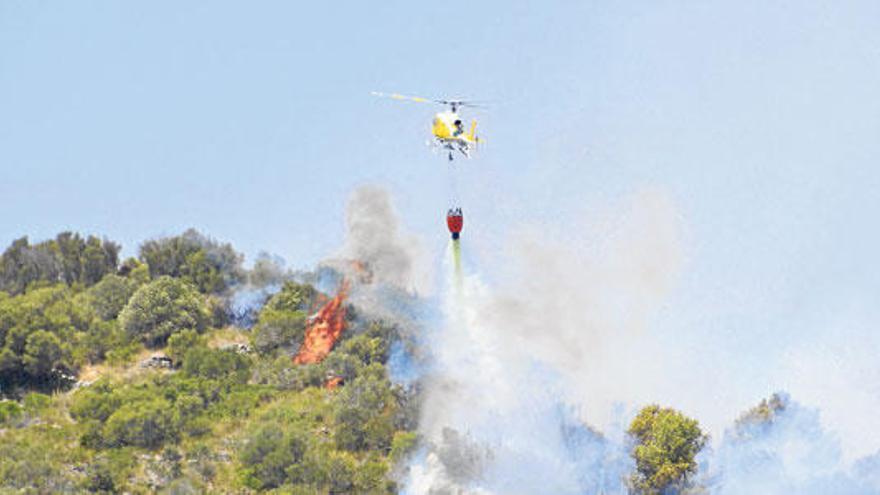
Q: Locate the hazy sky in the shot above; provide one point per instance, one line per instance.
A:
(253, 122)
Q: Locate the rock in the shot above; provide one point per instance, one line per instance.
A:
(238, 347)
(157, 361)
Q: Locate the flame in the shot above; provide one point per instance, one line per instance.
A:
(323, 330)
(333, 383)
(363, 271)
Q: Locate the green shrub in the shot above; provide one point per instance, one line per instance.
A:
(9, 411)
(292, 297)
(124, 354)
(36, 403)
(182, 342)
(42, 354)
(269, 454)
(216, 364)
(148, 424)
(278, 329)
(163, 307)
(110, 295)
(403, 444)
(102, 338)
(364, 411)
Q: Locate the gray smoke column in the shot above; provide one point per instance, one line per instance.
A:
(383, 264)
(374, 238)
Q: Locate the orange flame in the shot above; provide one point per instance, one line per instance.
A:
(333, 383)
(323, 330)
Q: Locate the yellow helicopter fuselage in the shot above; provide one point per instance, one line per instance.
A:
(448, 128)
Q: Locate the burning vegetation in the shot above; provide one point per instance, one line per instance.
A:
(324, 329)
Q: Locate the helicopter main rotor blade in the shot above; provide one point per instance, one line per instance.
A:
(419, 99)
(463, 103)
(395, 96)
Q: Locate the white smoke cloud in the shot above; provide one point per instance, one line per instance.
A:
(584, 305)
(788, 451)
(839, 371)
(569, 337)
(493, 407)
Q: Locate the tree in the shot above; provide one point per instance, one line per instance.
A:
(666, 445)
(292, 297)
(102, 338)
(278, 329)
(270, 454)
(68, 258)
(21, 265)
(162, 308)
(42, 354)
(365, 410)
(268, 270)
(182, 342)
(282, 321)
(757, 420)
(39, 331)
(210, 266)
(110, 295)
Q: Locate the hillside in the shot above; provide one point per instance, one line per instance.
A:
(146, 375)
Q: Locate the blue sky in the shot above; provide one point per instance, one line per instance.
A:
(253, 122)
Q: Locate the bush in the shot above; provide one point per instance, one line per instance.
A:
(9, 411)
(403, 444)
(216, 364)
(282, 374)
(124, 354)
(148, 424)
(372, 477)
(102, 338)
(110, 295)
(292, 297)
(42, 354)
(36, 403)
(368, 349)
(340, 470)
(161, 308)
(270, 454)
(278, 329)
(41, 333)
(365, 411)
(181, 343)
(31, 467)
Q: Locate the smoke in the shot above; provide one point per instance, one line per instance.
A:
(263, 281)
(530, 384)
(784, 449)
(492, 420)
(509, 365)
(385, 267)
(582, 305)
(373, 238)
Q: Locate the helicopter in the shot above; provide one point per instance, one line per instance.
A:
(447, 127)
